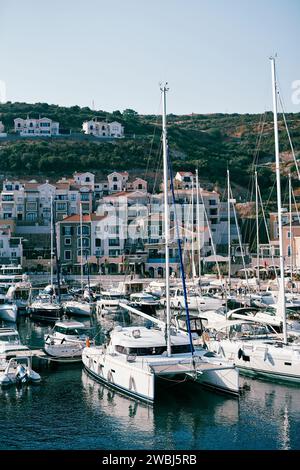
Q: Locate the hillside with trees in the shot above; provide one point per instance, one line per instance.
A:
(212, 143)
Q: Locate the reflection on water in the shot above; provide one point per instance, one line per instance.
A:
(69, 410)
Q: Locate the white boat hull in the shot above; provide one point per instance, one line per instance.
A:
(261, 359)
(138, 378)
(9, 313)
(78, 308)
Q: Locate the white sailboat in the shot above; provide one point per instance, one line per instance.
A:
(136, 357)
(258, 354)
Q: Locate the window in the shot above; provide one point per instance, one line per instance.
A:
(85, 230)
(72, 197)
(67, 230)
(115, 178)
(115, 187)
(7, 197)
(212, 202)
(213, 211)
(8, 187)
(114, 253)
(85, 242)
(31, 216)
(87, 179)
(61, 206)
(85, 196)
(114, 242)
(68, 241)
(13, 254)
(68, 254)
(44, 124)
(98, 242)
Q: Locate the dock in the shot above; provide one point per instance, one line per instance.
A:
(41, 360)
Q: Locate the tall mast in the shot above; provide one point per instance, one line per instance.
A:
(81, 247)
(198, 227)
(257, 229)
(51, 240)
(193, 244)
(281, 296)
(164, 90)
(229, 232)
(291, 226)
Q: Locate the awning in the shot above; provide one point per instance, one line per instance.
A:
(216, 259)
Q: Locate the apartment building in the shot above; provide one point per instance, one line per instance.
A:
(102, 242)
(11, 248)
(36, 127)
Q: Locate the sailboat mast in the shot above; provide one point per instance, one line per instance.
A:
(257, 229)
(164, 90)
(193, 244)
(81, 247)
(291, 225)
(51, 240)
(229, 232)
(281, 296)
(198, 227)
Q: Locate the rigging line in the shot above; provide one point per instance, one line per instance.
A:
(210, 234)
(153, 136)
(240, 239)
(289, 136)
(267, 231)
(180, 257)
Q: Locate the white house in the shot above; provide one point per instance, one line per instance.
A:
(103, 128)
(117, 181)
(11, 249)
(116, 129)
(96, 128)
(85, 179)
(184, 179)
(36, 127)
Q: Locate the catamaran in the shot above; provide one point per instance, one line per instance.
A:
(136, 358)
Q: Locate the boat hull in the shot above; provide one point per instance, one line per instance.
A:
(268, 361)
(9, 313)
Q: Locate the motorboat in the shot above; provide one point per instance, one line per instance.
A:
(257, 349)
(195, 300)
(8, 309)
(18, 372)
(20, 294)
(145, 302)
(77, 307)
(109, 302)
(44, 307)
(10, 346)
(67, 340)
(136, 358)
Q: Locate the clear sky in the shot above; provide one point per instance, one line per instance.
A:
(213, 53)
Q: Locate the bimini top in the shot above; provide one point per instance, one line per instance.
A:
(141, 337)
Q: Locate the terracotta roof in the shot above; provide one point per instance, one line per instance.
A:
(85, 218)
(31, 186)
(185, 173)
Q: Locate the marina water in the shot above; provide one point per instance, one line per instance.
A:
(70, 410)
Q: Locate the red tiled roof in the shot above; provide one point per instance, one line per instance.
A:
(85, 218)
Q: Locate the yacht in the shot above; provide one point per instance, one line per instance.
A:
(67, 340)
(10, 346)
(109, 302)
(20, 294)
(8, 310)
(145, 302)
(257, 350)
(136, 358)
(78, 307)
(45, 308)
(195, 300)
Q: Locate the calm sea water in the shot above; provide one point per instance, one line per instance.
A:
(69, 410)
